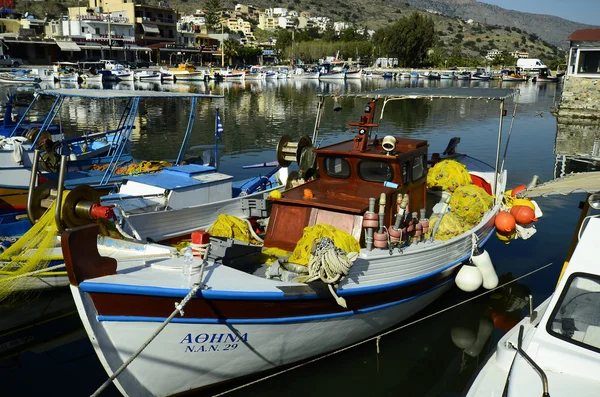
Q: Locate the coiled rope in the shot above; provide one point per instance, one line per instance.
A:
(330, 264)
(377, 338)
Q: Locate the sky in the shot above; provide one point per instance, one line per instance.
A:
(584, 11)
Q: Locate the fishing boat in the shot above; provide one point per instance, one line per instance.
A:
(7, 78)
(45, 74)
(480, 76)
(91, 150)
(354, 74)
(463, 76)
(233, 75)
(513, 77)
(92, 78)
(546, 78)
(148, 75)
(255, 73)
(447, 76)
(555, 350)
(186, 72)
(302, 73)
(238, 315)
(434, 76)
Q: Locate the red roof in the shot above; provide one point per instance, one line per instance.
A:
(585, 35)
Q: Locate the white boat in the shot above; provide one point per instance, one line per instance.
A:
(91, 78)
(300, 73)
(354, 74)
(122, 74)
(148, 75)
(186, 72)
(405, 75)
(339, 75)
(555, 351)
(46, 74)
(237, 321)
(68, 77)
(232, 75)
(270, 75)
(480, 76)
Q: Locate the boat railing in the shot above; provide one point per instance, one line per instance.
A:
(530, 361)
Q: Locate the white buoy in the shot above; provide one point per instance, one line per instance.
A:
(486, 326)
(482, 260)
(469, 278)
(462, 337)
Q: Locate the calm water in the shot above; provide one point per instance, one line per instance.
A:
(424, 359)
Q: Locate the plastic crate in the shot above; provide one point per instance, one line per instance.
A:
(253, 207)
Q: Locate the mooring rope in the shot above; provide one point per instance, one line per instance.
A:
(377, 338)
(178, 309)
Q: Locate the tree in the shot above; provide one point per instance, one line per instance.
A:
(284, 40)
(213, 13)
(329, 34)
(231, 49)
(409, 39)
(349, 34)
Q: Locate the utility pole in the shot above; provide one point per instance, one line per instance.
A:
(222, 47)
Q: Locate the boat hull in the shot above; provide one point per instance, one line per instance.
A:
(194, 355)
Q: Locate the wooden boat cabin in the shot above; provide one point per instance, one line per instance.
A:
(351, 172)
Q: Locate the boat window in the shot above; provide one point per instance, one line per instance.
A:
(576, 318)
(418, 168)
(375, 171)
(337, 167)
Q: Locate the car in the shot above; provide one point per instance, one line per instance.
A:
(140, 63)
(129, 64)
(7, 60)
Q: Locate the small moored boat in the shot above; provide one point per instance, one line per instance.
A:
(555, 351)
(243, 316)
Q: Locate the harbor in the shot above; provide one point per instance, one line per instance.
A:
(254, 115)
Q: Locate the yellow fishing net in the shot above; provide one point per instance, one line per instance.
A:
(311, 234)
(231, 227)
(32, 252)
(470, 202)
(448, 175)
(450, 226)
(135, 168)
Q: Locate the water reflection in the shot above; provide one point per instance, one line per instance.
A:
(577, 147)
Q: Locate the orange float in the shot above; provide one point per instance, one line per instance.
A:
(523, 215)
(505, 223)
(518, 189)
(308, 194)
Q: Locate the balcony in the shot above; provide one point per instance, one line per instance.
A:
(102, 18)
(165, 21)
(103, 38)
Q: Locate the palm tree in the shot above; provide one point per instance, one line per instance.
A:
(231, 48)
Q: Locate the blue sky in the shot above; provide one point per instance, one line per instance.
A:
(584, 11)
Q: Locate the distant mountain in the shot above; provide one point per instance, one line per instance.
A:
(552, 29)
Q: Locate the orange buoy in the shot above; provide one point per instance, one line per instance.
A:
(505, 223)
(523, 215)
(518, 189)
(308, 194)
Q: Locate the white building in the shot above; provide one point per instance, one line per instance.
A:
(491, 54)
(109, 28)
(341, 26)
(287, 23)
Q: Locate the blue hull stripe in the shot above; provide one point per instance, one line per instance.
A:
(235, 295)
(281, 320)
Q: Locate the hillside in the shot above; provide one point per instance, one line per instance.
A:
(493, 27)
(552, 29)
